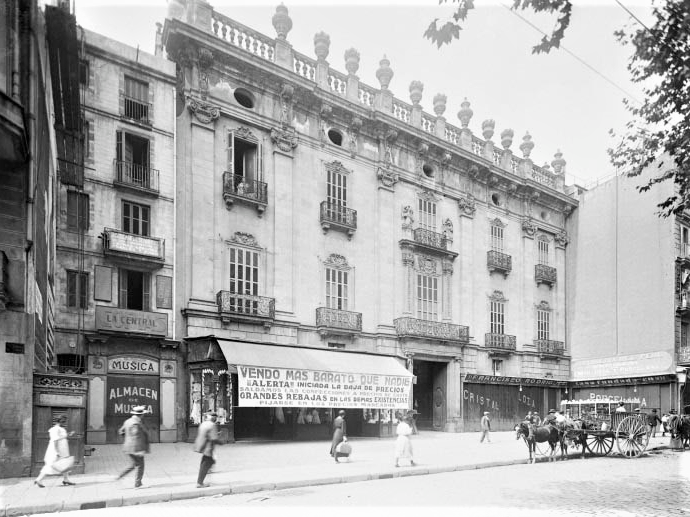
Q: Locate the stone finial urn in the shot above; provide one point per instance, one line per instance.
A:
(282, 23)
(416, 89)
(440, 104)
(384, 73)
(351, 61)
(527, 145)
(507, 138)
(322, 43)
(558, 163)
(465, 113)
(488, 127)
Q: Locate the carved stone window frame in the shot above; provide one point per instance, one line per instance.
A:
(246, 242)
(338, 262)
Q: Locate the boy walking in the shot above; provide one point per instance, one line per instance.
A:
(485, 424)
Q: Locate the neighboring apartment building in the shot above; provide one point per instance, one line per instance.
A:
(115, 255)
(330, 227)
(27, 245)
(628, 275)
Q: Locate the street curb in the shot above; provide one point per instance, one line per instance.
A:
(256, 487)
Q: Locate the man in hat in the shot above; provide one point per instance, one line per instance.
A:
(206, 439)
(485, 424)
(136, 444)
(550, 419)
(621, 407)
(652, 420)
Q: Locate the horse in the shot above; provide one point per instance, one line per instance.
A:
(679, 426)
(541, 434)
(573, 434)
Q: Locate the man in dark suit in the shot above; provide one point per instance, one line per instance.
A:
(136, 444)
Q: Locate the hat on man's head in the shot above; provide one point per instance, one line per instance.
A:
(621, 403)
(637, 410)
(211, 413)
(552, 410)
(653, 410)
(138, 410)
(486, 412)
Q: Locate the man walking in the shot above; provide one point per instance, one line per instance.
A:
(485, 424)
(652, 420)
(206, 439)
(136, 444)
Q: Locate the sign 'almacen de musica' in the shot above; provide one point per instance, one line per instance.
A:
(273, 387)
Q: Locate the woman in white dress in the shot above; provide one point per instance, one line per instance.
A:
(403, 445)
(55, 461)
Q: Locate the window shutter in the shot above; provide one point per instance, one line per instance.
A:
(146, 288)
(71, 289)
(123, 289)
(678, 276)
(84, 290)
(231, 152)
(72, 201)
(260, 162)
(103, 283)
(83, 211)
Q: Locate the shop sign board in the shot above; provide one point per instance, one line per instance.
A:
(129, 364)
(124, 320)
(273, 387)
(126, 392)
(651, 363)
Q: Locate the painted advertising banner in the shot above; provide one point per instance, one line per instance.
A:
(124, 320)
(129, 364)
(273, 387)
(622, 366)
(126, 392)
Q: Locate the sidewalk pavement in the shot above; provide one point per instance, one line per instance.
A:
(244, 467)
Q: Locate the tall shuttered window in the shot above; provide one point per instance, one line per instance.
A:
(77, 210)
(497, 317)
(244, 271)
(427, 214)
(543, 252)
(77, 289)
(427, 297)
(135, 218)
(336, 289)
(543, 324)
(497, 238)
(135, 290)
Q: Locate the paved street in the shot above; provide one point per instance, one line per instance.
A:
(657, 484)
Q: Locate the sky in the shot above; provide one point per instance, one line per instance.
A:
(565, 102)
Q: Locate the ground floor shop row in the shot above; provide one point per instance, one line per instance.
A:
(272, 392)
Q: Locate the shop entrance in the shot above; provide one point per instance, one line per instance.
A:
(429, 394)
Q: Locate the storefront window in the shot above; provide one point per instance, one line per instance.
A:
(211, 390)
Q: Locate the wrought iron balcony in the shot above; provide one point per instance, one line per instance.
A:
(237, 188)
(499, 342)
(416, 328)
(245, 307)
(136, 110)
(544, 274)
(550, 347)
(135, 176)
(499, 262)
(127, 247)
(338, 217)
(430, 239)
(683, 303)
(335, 321)
(683, 353)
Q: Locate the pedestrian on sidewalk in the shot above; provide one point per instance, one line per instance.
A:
(206, 438)
(339, 432)
(652, 420)
(403, 445)
(57, 459)
(664, 425)
(136, 444)
(485, 424)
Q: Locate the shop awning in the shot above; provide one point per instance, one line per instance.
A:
(274, 375)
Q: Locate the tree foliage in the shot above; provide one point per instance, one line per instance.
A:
(657, 139)
(445, 33)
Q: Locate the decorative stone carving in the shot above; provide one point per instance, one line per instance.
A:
(282, 23)
(336, 261)
(448, 229)
(497, 296)
(384, 73)
(543, 306)
(205, 62)
(543, 237)
(284, 138)
(488, 127)
(447, 267)
(497, 222)
(416, 89)
(245, 134)
(351, 61)
(512, 189)
(391, 136)
(287, 92)
(246, 239)
(558, 163)
(59, 382)
(324, 114)
(355, 127)
(322, 43)
(427, 195)
(528, 227)
(473, 171)
(507, 138)
(440, 104)
(467, 205)
(337, 167)
(387, 177)
(407, 259)
(202, 110)
(465, 113)
(427, 265)
(561, 238)
(407, 216)
(527, 145)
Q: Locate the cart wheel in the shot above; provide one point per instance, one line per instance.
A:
(599, 445)
(631, 437)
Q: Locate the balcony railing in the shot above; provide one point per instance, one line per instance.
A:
(237, 188)
(412, 327)
(499, 341)
(549, 347)
(129, 246)
(430, 239)
(335, 321)
(544, 274)
(245, 307)
(683, 303)
(497, 261)
(137, 176)
(684, 251)
(135, 109)
(683, 353)
(339, 217)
